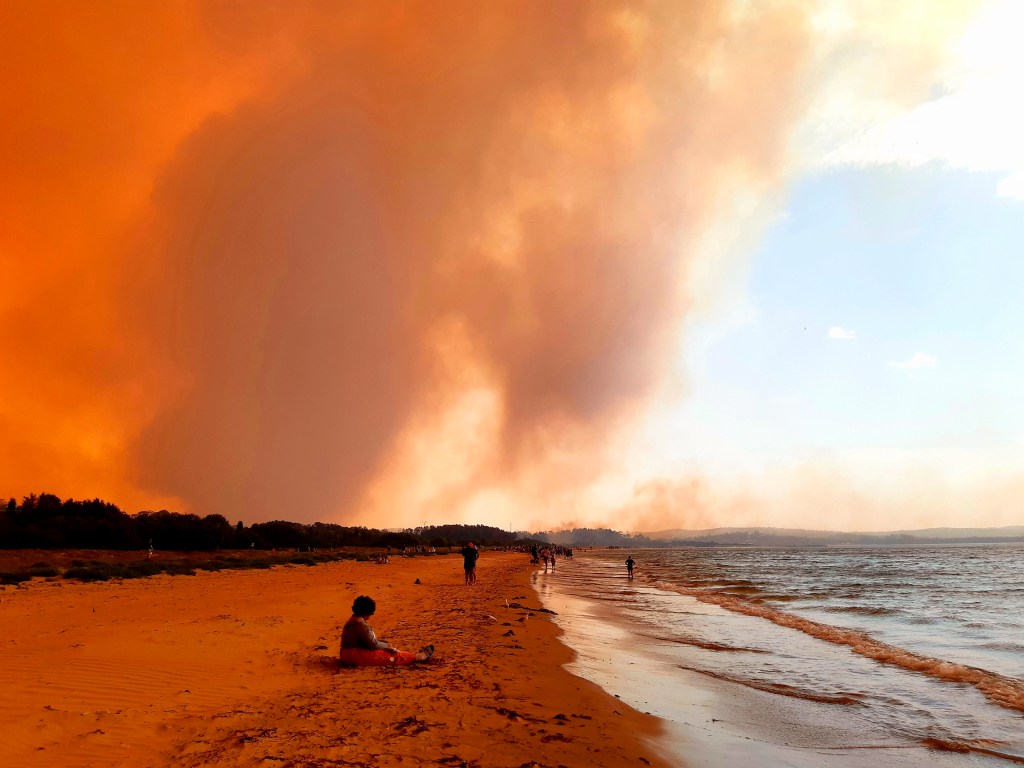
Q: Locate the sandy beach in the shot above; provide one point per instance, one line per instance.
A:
(236, 668)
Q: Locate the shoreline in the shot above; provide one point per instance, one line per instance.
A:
(711, 721)
(235, 668)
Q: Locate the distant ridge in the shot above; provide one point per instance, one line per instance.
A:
(762, 535)
(765, 536)
(938, 533)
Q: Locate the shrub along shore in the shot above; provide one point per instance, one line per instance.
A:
(18, 566)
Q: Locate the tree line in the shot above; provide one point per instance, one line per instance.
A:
(45, 521)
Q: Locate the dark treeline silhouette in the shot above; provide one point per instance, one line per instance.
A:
(596, 537)
(47, 522)
(452, 535)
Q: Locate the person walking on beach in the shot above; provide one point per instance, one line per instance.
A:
(630, 562)
(469, 557)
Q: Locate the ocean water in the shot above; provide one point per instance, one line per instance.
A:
(808, 656)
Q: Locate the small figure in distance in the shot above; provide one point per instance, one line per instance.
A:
(470, 554)
(630, 562)
(361, 648)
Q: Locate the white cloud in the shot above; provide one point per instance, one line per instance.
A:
(836, 332)
(1012, 186)
(943, 94)
(919, 360)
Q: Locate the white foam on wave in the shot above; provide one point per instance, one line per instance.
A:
(717, 719)
(1005, 691)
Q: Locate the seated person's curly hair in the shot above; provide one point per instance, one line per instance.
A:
(364, 606)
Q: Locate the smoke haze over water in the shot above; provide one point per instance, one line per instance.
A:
(361, 262)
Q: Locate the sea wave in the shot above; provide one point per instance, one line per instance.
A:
(738, 590)
(851, 699)
(862, 610)
(1004, 646)
(966, 747)
(1002, 690)
(706, 644)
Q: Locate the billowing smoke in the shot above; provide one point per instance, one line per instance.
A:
(375, 213)
(533, 173)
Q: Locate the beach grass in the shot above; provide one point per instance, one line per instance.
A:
(108, 565)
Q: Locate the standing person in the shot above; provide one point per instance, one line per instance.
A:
(469, 557)
(630, 562)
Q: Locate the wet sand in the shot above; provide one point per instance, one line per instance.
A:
(236, 668)
(712, 721)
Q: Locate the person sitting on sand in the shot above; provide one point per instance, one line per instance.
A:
(361, 648)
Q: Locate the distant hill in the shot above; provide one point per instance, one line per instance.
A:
(959, 533)
(777, 537)
(766, 536)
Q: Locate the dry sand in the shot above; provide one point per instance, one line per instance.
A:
(236, 668)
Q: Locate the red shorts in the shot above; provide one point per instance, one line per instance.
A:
(360, 657)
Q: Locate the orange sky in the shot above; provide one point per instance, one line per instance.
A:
(360, 262)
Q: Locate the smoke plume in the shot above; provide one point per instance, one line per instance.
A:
(386, 257)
